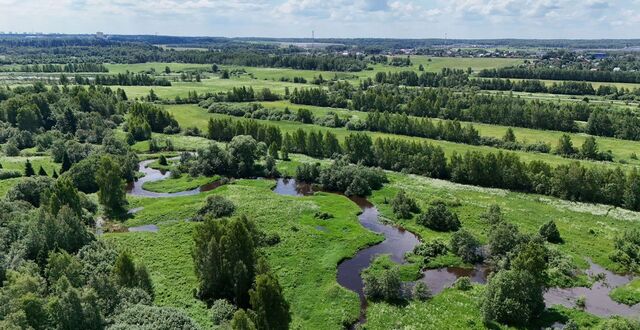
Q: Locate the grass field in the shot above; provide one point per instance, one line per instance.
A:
(305, 259)
(184, 183)
(621, 149)
(18, 163)
(194, 116)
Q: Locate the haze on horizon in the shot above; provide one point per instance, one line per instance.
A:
(590, 19)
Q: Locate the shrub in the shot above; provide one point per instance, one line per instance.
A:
(9, 174)
(462, 283)
(439, 218)
(11, 150)
(385, 285)
(512, 297)
(421, 292)
(403, 206)
(152, 317)
(464, 245)
(627, 250)
(222, 311)
(216, 206)
(431, 249)
(550, 232)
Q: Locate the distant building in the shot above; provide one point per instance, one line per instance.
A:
(616, 69)
(99, 35)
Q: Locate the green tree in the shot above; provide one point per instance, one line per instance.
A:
(66, 162)
(111, 192)
(273, 150)
(503, 238)
(438, 217)
(509, 136)
(28, 169)
(331, 145)
(466, 246)
(403, 206)
(124, 270)
(269, 304)
(225, 256)
(565, 146)
(241, 321)
(512, 297)
(243, 150)
(550, 232)
(589, 148)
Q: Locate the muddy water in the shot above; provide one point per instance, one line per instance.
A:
(399, 241)
(597, 300)
(152, 175)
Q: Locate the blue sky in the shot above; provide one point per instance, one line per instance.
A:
(330, 18)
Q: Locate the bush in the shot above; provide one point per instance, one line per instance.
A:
(550, 232)
(153, 317)
(421, 292)
(464, 245)
(627, 250)
(9, 174)
(462, 283)
(512, 297)
(403, 206)
(308, 172)
(216, 206)
(431, 249)
(439, 218)
(222, 311)
(11, 150)
(385, 285)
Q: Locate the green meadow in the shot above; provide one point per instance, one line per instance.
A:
(194, 116)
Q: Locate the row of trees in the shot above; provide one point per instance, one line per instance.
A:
(67, 68)
(501, 170)
(121, 79)
(562, 74)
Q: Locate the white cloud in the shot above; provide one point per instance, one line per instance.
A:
(345, 18)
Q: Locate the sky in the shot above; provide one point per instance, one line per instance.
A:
(474, 19)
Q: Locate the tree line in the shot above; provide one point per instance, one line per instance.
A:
(562, 74)
(121, 79)
(62, 68)
(499, 170)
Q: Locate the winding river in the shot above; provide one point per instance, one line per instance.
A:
(399, 241)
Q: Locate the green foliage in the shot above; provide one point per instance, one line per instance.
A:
(627, 250)
(385, 285)
(403, 206)
(225, 258)
(550, 232)
(268, 303)
(439, 218)
(512, 297)
(504, 237)
(242, 321)
(111, 192)
(628, 294)
(222, 311)
(421, 292)
(28, 169)
(431, 249)
(462, 283)
(466, 246)
(65, 231)
(216, 206)
(152, 317)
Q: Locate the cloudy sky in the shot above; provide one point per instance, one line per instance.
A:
(330, 18)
